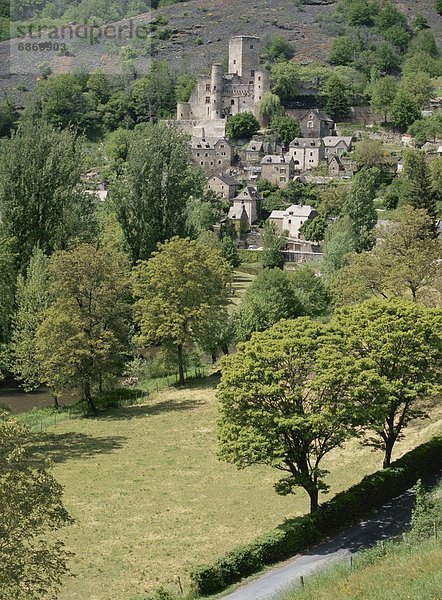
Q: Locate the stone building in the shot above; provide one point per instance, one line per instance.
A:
(306, 153)
(291, 219)
(316, 124)
(225, 186)
(219, 95)
(211, 154)
(246, 209)
(278, 169)
(335, 145)
(257, 149)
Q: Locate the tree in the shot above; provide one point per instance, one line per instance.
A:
(285, 81)
(403, 263)
(153, 96)
(393, 351)
(314, 229)
(83, 338)
(273, 244)
(230, 252)
(429, 128)
(359, 207)
(277, 409)
(334, 94)
(151, 195)
(268, 299)
(32, 300)
(278, 48)
(63, 102)
(342, 51)
(8, 118)
(404, 110)
(41, 201)
(419, 86)
(32, 561)
(7, 292)
(438, 6)
(286, 128)
(181, 287)
(418, 192)
(424, 41)
(242, 126)
(369, 153)
(339, 243)
(310, 291)
(383, 92)
(270, 107)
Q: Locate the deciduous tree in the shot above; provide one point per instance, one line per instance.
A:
(277, 409)
(83, 338)
(32, 301)
(151, 196)
(33, 561)
(393, 351)
(176, 291)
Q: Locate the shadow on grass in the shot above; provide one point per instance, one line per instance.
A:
(133, 412)
(72, 445)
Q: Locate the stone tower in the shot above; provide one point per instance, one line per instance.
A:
(244, 54)
(216, 86)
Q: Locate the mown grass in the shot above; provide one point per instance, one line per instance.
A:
(151, 500)
(404, 572)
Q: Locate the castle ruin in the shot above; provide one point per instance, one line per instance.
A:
(223, 94)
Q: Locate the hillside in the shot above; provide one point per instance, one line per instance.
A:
(195, 31)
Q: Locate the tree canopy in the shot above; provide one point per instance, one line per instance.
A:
(277, 409)
(180, 288)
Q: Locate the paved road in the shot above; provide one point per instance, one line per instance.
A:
(390, 520)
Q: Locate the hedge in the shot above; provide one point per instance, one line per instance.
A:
(298, 534)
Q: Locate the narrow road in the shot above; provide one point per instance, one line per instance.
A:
(389, 521)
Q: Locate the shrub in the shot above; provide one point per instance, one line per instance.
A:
(296, 535)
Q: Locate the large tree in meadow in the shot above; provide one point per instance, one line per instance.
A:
(392, 349)
(84, 335)
(41, 202)
(32, 561)
(151, 196)
(182, 286)
(277, 409)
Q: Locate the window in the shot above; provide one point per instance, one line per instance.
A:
(234, 62)
(232, 102)
(290, 221)
(310, 124)
(311, 153)
(252, 73)
(259, 77)
(207, 99)
(251, 47)
(207, 87)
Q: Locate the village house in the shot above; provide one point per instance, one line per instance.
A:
(316, 124)
(211, 154)
(336, 145)
(257, 149)
(335, 167)
(291, 219)
(246, 209)
(277, 169)
(224, 185)
(307, 153)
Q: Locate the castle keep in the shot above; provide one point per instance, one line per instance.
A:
(220, 95)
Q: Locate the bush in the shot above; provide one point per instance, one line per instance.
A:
(297, 534)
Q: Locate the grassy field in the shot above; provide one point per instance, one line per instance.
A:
(151, 500)
(405, 573)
